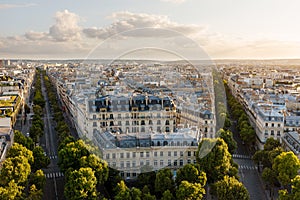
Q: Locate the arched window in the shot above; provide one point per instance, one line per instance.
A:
(165, 143)
(158, 143)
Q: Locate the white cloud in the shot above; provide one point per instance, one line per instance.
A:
(8, 6)
(66, 27)
(135, 31)
(128, 21)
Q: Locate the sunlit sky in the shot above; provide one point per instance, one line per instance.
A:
(237, 29)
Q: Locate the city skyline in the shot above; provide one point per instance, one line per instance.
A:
(185, 28)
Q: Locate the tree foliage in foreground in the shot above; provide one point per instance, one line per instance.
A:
(81, 184)
(230, 188)
(214, 158)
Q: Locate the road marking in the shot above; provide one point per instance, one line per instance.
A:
(247, 167)
(240, 156)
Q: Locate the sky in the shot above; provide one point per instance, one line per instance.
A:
(154, 29)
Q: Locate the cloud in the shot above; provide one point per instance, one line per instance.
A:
(66, 27)
(8, 6)
(124, 22)
(137, 31)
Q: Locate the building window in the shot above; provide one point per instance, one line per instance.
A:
(142, 163)
(189, 161)
(148, 162)
(169, 162)
(128, 155)
(133, 154)
(272, 132)
(127, 123)
(127, 174)
(122, 164)
(119, 123)
(169, 153)
(181, 153)
(121, 155)
(150, 122)
(181, 162)
(141, 154)
(114, 164)
(167, 122)
(128, 164)
(266, 132)
(278, 125)
(189, 153)
(113, 155)
(161, 154)
(94, 124)
(161, 162)
(133, 164)
(267, 124)
(107, 156)
(155, 163)
(119, 116)
(147, 154)
(175, 153)
(272, 124)
(155, 154)
(158, 122)
(278, 133)
(175, 162)
(94, 116)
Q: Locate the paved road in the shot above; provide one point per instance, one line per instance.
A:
(54, 183)
(248, 172)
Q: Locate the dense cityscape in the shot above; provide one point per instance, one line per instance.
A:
(134, 131)
(149, 100)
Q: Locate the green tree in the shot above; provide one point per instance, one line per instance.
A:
(25, 141)
(122, 192)
(69, 156)
(148, 179)
(16, 168)
(190, 173)
(136, 193)
(34, 193)
(286, 165)
(230, 188)
(40, 160)
(295, 193)
(38, 110)
(271, 144)
(20, 150)
(99, 166)
(167, 195)
(227, 136)
(190, 191)
(270, 178)
(81, 184)
(214, 158)
(38, 179)
(11, 192)
(164, 181)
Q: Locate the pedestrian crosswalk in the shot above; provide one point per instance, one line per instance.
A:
(54, 175)
(239, 156)
(247, 167)
(52, 155)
